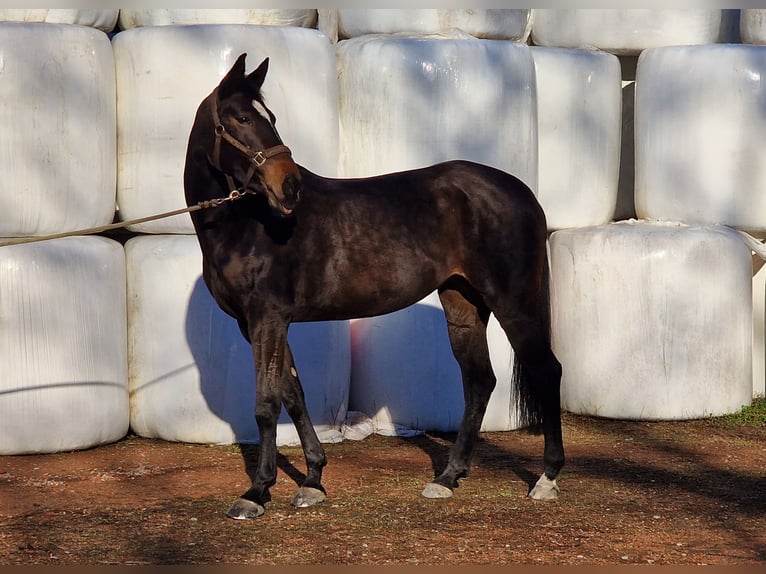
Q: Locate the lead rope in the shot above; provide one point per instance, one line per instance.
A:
(256, 158)
(233, 196)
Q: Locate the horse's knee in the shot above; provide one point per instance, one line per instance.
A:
(267, 411)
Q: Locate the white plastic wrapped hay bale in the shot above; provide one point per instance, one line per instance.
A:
(62, 345)
(579, 106)
(57, 109)
(411, 101)
(158, 99)
(752, 26)
(104, 19)
(192, 377)
(625, 31)
(405, 377)
(652, 321)
(135, 18)
(693, 165)
(496, 24)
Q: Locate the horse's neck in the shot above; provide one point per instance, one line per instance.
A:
(203, 182)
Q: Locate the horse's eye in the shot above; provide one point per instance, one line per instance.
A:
(243, 119)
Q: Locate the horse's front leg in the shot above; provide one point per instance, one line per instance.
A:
(269, 341)
(311, 491)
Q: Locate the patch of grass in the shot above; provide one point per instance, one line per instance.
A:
(753, 415)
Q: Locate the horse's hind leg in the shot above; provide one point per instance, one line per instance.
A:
(467, 325)
(537, 378)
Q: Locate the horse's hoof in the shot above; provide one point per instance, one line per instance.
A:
(545, 489)
(308, 496)
(244, 509)
(434, 490)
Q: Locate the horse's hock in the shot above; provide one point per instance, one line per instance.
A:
(698, 154)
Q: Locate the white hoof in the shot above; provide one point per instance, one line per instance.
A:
(545, 489)
(433, 490)
(308, 496)
(244, 509)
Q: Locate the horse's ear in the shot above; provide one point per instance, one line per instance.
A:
(233, 76)
(257, 76)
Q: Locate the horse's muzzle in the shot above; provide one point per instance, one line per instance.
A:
(292, 189)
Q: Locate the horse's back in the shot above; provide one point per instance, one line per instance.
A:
(480, 187)
(423, 225)
(494, 205)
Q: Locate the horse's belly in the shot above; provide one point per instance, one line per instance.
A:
(371, 292)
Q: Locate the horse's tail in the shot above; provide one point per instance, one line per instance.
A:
(529, 385)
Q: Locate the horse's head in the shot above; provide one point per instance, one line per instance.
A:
(247, 146)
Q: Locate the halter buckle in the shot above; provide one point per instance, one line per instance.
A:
(259, 159)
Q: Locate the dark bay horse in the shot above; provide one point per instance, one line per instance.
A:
(300, 247)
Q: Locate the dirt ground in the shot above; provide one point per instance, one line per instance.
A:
(632, 493)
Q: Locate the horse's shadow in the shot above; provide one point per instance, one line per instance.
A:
(435, 445)
(224, 363)
(250, 457)
(224, 359)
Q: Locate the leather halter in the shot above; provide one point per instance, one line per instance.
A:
(256, 158)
